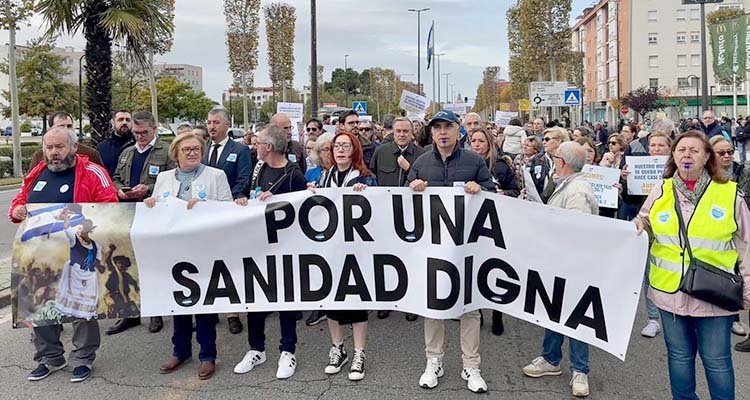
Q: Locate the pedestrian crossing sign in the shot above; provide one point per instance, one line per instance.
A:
(360, 107)
(573, 97)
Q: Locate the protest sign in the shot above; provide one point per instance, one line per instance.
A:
(295, 112)
(502, 118)
(531, 193)
(602, 180)
(332, 251)
(329, 128)
(456, 108)
(645, 173)
(413, 102)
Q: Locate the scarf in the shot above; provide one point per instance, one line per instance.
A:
(700, 187)
(186, 179)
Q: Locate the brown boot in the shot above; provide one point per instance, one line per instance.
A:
(206, 369)
(173, 364)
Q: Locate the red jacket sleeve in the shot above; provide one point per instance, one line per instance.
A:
(23, 194)
(100, 186)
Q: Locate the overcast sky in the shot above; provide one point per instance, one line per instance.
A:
(375, 33)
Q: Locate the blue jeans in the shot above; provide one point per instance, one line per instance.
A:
(627, 211)
(651, 309)
(709, 337)
(256, 330)
(741, 148)
(205, 333)
(552, 351)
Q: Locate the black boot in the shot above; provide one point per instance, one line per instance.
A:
(155, 324)
(122, 325)
(743, 346)
(497, 323)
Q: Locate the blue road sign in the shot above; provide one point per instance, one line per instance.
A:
(360, 107)
(572, 97)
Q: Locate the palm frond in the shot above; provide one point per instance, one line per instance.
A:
(61, 16)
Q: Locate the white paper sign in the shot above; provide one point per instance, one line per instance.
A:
(456, 108)
(413, 102)
(602, 180)
(295, 112)
(330, 128)
(531, 193)
(645, 173)
(502, 118)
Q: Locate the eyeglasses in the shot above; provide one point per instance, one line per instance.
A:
(365, 129)
(547, 138)
(325, 149)
(190, 150)
(723, 153)
(611, 143)
(312, 129)
(342, 146)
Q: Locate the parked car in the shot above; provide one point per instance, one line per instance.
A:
(36, 131)
(8, 131)
(235, 133)
(164, 131)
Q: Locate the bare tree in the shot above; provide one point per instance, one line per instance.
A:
(280, 20)
(242, 44)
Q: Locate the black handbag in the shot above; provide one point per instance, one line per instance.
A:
(706, 282)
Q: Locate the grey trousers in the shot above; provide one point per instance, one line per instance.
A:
(50, 351)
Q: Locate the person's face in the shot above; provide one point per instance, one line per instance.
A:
(479, 144)
(351, 123)
(614, 146)
(312, 129)
(325, 155)
(708, 118)
(59, 154)
(577, 134)
(528, 149)
(309, 147)
(627, 133)
(445, 134)
(189, 153)
(284, 123)
(551, 142)
(472, 123)
(342, 151)
(559, 162)
(658, 146)
(725, 153)
(144, 134)
(254, 140)
(65, 122)
(123, 123)
(263, 146)
(590, 153)
(365, 129)
(538, 125)
(690, 155)
(402, 133)
(217, 127)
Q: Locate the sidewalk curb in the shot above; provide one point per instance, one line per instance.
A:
(7, 188)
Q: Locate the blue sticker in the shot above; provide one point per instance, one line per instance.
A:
(292, 158)
(718, 213)
(165, 195)
(201, 188)
(39, 186)
(232, 157)
(153, 170)
(664, 217)
(202, 195)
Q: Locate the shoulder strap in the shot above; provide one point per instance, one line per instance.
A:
(683, 229)
(258, 166)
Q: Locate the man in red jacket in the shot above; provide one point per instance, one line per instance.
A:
(63, 177)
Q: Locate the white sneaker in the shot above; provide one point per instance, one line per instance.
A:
(474, 380)
(251, 360)
(432, 372)
(357, 370)
(738, 328)
(579, 384)
(287, 365)
(651, 329)
(540, 367)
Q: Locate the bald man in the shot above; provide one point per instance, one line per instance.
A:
(295, 152)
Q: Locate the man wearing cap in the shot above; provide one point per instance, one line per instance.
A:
(449, 164)
(65, 177)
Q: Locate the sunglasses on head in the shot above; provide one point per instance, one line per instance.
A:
(723, 153)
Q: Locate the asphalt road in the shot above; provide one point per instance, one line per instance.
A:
(127, 367)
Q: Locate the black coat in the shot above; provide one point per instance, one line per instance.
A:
(385, 166)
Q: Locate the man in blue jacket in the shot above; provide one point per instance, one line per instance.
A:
(234, 159)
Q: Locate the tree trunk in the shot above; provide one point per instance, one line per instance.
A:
(152, 87)
(245, 110)
(98, 69)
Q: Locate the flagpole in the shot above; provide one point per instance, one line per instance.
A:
(432, 64)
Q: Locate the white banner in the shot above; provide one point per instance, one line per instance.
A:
(456, 108)
(413, 102)
(295, 112)
(438, 254)
(602, 180)
(502, 118)
(645, 173)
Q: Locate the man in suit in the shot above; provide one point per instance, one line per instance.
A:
(234, 159)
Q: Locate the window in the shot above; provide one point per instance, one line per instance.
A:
(612, 90)
(653, 38)
(653, 61)
(683, 83)
(682, 60)
(695, 60)
(695, 14)
(681, 37)
(652, 16)
(653, 83)
(681, 15)
(613, 70)
(612, 51)
(695, 37)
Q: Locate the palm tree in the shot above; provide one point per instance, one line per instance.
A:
(133, 23)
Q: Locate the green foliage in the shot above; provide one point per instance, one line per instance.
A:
(176, 100)
(26, 151)
(26, 126)
(12, 12)
(723, 14)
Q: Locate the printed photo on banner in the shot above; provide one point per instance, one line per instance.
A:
(74, 261)
(645, 173)
(602, 182)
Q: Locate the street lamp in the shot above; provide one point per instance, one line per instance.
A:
(696, 80)
(711, 98)
(346, 81)
(80, 96)
(419, 45)
(447, 74)
(437, 62)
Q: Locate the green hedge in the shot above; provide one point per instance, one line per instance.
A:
(26, 150)
(6, 167)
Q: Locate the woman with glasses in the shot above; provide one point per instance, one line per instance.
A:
(192, 182)
(348, 170)
(529, 149)
(542, 166)
(615, 157)
(738, 173)
(320, 158)
(313, 127)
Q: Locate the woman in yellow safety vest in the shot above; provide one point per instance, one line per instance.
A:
(718, 227)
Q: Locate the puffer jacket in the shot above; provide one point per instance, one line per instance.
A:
(514, 137)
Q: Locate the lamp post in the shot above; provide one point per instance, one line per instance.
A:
(80, 96)
(313, 60)
(346, 81)
(437, 61)
(419, 45)
(711, 100)
(696, 80)
(447, 74)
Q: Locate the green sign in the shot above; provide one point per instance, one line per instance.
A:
(701, 1)
(729, 42)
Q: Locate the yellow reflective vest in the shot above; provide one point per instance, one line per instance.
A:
(710, 232)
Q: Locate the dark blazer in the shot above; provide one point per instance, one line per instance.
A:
(237, 169)
(385, 166)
